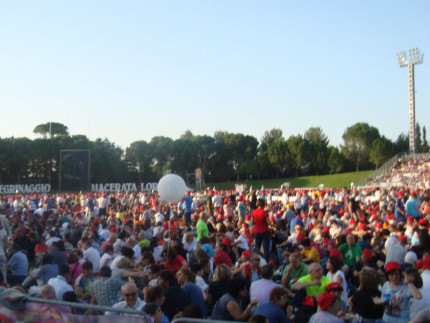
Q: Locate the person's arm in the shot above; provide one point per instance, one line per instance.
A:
(414, 291)
(234, 310)
(286, 279)
(299, 286)
(5, 242)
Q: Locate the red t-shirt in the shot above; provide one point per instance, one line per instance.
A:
(176, 264)
(260, 223)
(41, 248)
(222, 257)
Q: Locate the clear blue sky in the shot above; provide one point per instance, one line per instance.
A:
(131, 70)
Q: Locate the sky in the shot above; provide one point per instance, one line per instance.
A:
(132, 70)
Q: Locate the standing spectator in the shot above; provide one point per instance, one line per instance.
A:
(202, 227)
(413, 206)
(261, 222)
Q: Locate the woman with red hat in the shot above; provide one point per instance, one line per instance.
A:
(396, 294)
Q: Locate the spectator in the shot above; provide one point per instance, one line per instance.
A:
(130, 297)
(274, 309)
(260, 289)
(106, 290)
(59, 283)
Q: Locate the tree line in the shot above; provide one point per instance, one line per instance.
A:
(222, 157)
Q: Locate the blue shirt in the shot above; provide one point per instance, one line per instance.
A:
(187, 205)
(272, 312)
(194, 294)
(411, 207)
(18, 264)
(209, 249)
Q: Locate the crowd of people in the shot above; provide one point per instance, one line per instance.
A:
(271, 256)
(406, 171)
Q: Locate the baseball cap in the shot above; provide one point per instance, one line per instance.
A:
(325, 300)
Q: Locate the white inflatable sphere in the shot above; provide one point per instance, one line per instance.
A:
(171, 188)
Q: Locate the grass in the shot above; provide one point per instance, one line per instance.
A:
(334, 181)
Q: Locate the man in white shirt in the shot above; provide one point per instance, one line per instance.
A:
(59, 283)
(131, 299)
(260, 289)
(92, 255)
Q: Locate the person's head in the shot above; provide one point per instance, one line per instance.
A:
(64, 270)
(193, 311)
(109, 249)
(261, 203)
(267, 271)
(184, 276)
(329, 302)
(393, 273)
(189, 237)
(368, 280)
(87, 268)
(123, 263)
(366, 255)
(222, 273)
(153, 310)
(254, 260)
(105, 271)
(350, 240)
(278, 296)
(147, 257)
(155, 294)
(295, 260)
(414, 277)
(166, 278)
(306, 243)
(129, 293)
(333, 264)
(335, 288)
(47, 259)
(47, 292)
(315, 270)
(127, 252)
(237, 287)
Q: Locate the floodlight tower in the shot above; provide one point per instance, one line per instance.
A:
(415, 57)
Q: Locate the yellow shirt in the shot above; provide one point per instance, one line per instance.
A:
(311, 253)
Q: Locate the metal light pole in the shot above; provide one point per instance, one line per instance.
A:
(415, 57)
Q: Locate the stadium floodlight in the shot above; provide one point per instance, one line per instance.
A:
(415, 57)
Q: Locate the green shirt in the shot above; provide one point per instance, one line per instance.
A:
(202, 227)
(315, 290)
(349, 255)
(302, 271)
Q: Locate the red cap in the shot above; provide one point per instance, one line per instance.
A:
(352, 221)
(195, 215)
(326, 229)
(325, 300)
(410, 219)
(220, 217)
(426, 263)
(423, 222)
(165, 225)
(392, 265)
(96, 220)
(367, 252)
(247, 253)
(113, 229)
(93, 228)
(335, 253)
(334, 285)
(403, 238)
(226, 241)
(378, 225)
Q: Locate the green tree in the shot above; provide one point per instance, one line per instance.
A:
(358, 140)
(161, 148)
(298, 157)
(278, 156)
(336, 161)
(51, 129)
(318, 148)
(382, 150)
(138, 158)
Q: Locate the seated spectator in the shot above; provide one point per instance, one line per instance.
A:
(314, 283)
(228, 306)
(60, 282)
(84, 281)
(176, 300)
(274, 310)
(153, 310)
(17, 266)
(260, 289)
(295, 270)
(187, 280)
(130, 297)
(328, 308)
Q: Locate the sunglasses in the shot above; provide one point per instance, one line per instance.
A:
(130, 294)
